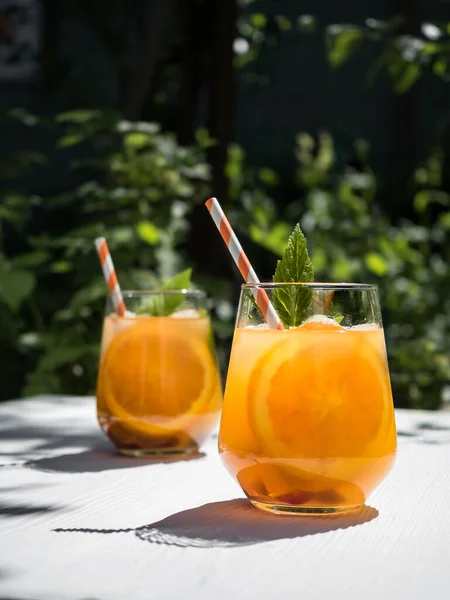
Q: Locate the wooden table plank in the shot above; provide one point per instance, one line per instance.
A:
(79, 522)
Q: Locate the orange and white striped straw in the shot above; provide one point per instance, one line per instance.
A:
(110, 276)
(240, 258)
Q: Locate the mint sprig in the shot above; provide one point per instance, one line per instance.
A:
(163, 305)
(292, 302)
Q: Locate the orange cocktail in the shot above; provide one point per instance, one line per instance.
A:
(158, 387)
(308, 422)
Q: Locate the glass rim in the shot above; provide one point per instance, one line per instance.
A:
(319, 285)
(159, 292)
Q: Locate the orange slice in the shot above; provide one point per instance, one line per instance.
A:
(155, 378)
(289, 485)
(321, 392)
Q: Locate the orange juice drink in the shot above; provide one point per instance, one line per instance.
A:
(308, 422)
(158, 387)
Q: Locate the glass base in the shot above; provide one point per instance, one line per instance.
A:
(293, 510)
(158, 452)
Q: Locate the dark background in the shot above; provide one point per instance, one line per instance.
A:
(138, 56)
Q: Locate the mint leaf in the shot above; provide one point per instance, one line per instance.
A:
(163, 305)
(292, 302)
(180, 281)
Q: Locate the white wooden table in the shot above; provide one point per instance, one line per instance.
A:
(79, 522)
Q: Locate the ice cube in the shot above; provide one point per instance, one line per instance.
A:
(364, 327)
(322, 319)
(260, 326)
(128, 315)
(188, 313)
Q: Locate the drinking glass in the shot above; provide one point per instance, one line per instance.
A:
(308, 423)
(158, 389)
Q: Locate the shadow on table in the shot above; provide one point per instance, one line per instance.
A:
(426, 433)
(102, 459)
(46, 438)
(95, 451)
(233, 523)
(21, 510)
(238, 523)
(73, 449)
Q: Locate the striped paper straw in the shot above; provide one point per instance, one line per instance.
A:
(110, 276)
(242, 262)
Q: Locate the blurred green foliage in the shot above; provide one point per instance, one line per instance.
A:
(404, 50)
(352, 239)
(404, 55)
(138, 188)
(349, 234)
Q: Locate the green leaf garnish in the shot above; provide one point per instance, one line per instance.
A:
(163, 305)
(292, 302)
(180, 281)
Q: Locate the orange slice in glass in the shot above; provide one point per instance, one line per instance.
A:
(321, 392)
(156, 377)
(289, 485)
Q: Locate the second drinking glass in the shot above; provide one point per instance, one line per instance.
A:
(159, 388)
